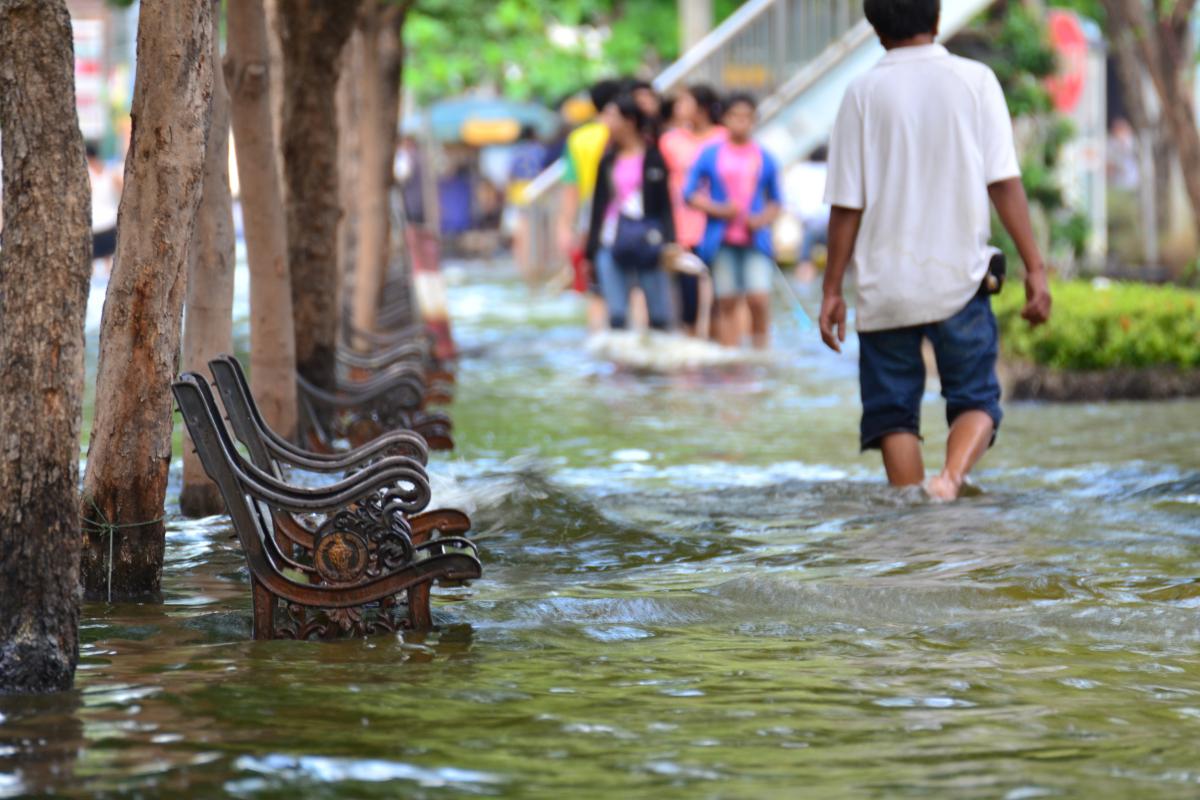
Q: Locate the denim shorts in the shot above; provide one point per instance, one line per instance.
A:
(741, 270)
(892, 371)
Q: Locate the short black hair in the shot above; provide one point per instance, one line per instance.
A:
(668, 108)
(708, 99)
(628, 108)
(603, 93)
(741, 99)
(898, 20)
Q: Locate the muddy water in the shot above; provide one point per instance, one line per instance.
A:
(695, 587)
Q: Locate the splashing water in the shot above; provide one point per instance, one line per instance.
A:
(694, 587)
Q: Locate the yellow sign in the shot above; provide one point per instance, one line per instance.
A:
(480, 132)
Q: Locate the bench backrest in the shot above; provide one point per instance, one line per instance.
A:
(218, 457)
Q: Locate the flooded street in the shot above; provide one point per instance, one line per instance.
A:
(694, 586)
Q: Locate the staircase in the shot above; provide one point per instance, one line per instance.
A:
(796, 56)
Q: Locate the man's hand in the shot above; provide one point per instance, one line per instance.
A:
(833, 321)
(762, 220)
(1037, 297)
(1009, 198)
(843, 230)
(702, 201)
(725, 211)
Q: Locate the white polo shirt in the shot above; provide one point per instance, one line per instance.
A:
(917, 141)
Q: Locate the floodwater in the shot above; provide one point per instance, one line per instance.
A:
(694, 587)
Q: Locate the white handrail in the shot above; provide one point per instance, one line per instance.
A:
(717, 38)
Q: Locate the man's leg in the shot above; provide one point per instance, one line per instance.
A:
(760, 319)
(969, 438)
(656, 286)
(725, 290)
(729, 330)
(902, 459)
(967, 346)
(688, 291)
(892, 380)
(614, 289)
(759, 276)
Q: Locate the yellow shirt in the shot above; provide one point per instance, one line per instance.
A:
(585, 148)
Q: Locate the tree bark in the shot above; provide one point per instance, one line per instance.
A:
(372, 201)
(391, 64)
(313, 33)
(1163, 35)
(44, 270)
(208, 309)
(349, 115)
(272, 341)
(130, 451)
(275, 59)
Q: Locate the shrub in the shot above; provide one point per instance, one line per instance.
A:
(1104, 325)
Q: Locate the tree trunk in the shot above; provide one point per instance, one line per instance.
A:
(44, 270)
(372, 201)
(130, 452)
(275, 59)
(391, 64)
(348, 158)
(313, 33)
(272, 341)
(208, 309)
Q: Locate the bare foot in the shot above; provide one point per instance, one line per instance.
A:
(943, 488)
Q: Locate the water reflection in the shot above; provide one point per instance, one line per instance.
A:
(694, 587)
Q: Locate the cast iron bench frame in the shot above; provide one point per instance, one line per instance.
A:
(363, 557)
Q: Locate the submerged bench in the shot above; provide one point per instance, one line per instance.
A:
(364, 572)
(363, 410)
(272, 453)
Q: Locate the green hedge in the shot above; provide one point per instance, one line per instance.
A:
(1105, 325)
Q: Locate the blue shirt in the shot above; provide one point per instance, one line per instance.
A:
(704, 173)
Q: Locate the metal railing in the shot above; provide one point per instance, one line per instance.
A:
(760, 48)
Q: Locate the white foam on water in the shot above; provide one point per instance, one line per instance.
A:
(653, 351)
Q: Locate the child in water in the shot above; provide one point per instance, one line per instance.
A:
(735, 183)
(922, 141)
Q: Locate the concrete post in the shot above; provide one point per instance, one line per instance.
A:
(695, 21)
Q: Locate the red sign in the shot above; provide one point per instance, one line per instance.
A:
(1071, 45)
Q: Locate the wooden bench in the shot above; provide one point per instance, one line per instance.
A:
(272, 453)
(364, 573)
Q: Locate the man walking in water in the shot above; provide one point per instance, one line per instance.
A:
(920, 144)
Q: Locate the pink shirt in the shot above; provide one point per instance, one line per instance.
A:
(739, 166)
(627, 180)
(680, 148)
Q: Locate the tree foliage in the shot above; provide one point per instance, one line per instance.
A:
(538, 48)
(1014, 42)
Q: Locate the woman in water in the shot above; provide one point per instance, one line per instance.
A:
(631, 219)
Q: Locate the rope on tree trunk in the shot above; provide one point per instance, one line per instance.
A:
(108, 530)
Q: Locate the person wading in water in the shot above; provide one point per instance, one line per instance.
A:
(921, 142)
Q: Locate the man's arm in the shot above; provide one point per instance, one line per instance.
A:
(701, 201)
(695, 192)
(766, 218)
(568, 218)
(843, 230)
(1011, 204)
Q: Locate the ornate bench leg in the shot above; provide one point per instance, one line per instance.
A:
(264, 611)
(419, 616)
